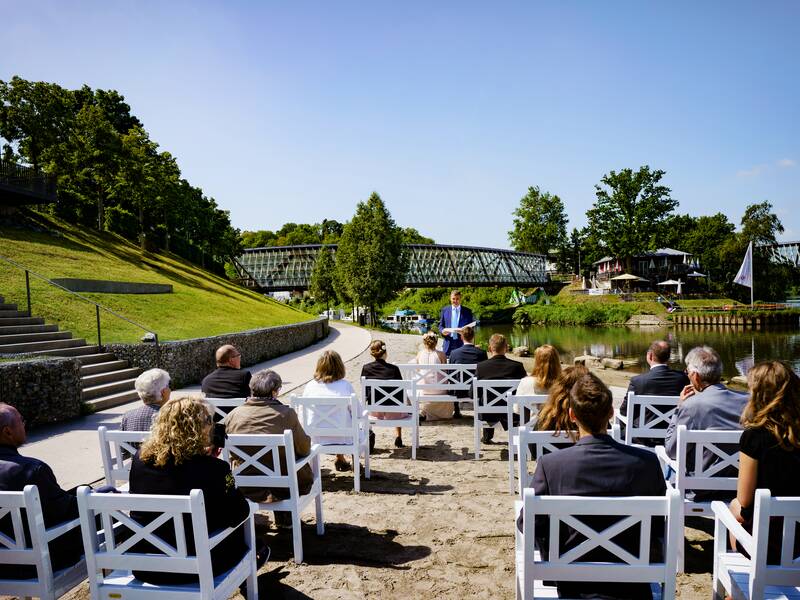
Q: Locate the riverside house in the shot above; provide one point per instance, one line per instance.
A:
(656, 266)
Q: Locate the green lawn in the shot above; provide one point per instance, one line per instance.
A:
(201, 304)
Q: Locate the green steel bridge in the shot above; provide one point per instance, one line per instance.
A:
(289, 268)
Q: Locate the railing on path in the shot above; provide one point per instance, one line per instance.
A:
(97, 307)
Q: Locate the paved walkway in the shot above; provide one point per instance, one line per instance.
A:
(72, 450)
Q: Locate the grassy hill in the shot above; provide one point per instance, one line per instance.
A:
(201, 304)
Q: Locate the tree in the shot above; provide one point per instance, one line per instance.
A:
(371, 263)
(570, 254)
(321, 286)
(540, 223)
(760, 225)
(412, 236)
(629, 212)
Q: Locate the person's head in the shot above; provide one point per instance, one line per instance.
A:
(468, 334)
(554, 414)
(265, 384)
(455, 298)
(377, 349)
(330, 367)
(774, 402)
(181, 430)
(12, 426)
(590, 404)
(658, 353)
(429, 341)
(498, 344)
(153, 386)
(229, 356)
(703, 367)
(546, 365)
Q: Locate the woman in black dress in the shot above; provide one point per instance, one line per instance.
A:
(769, 450)
(380, 369)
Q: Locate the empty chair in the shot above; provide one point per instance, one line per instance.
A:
(392, 396)
(647, 418)
(116, 450)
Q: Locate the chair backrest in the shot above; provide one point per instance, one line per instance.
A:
(450, 377)
(387, 395)
(331, 417)
(695, 470)
(492, 396)
(635, 512)
(649, 416)
(767, 510)
(531, 405)
(260, 455)
(220, 404)
(18, 509)
(116, 449)
(118, 552)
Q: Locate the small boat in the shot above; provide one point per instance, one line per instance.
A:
(407, 320)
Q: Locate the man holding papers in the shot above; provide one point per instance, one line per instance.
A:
(452, 319)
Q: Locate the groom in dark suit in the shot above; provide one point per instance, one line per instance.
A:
(452, 317)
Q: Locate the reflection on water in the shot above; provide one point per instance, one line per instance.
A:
(739, 349)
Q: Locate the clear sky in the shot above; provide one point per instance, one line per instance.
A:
(295, 111)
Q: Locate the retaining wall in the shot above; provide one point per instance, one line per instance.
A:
(102, 286)
(784, 321)
(43, 390)
(188, 361)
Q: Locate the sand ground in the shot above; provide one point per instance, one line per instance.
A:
(437, 527)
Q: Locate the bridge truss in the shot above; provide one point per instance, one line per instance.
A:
(288, 268)
(787, 251)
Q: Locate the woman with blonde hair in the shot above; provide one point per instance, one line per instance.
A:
(769, 449)
(545, 371)
(554, 415)
(329, 381)
(429, 355)
(380, 369)
(175, 460)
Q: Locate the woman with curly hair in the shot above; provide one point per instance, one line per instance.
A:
(175, 460)
(554, 415)
(769, 449)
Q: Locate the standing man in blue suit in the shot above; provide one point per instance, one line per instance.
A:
(452, 317)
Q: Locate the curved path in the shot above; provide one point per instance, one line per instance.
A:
(72, 449)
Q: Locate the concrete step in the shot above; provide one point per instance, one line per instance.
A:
(13, 329)
(77, 351)
(101, 367)
(58, 345)
(106, 389)
(104, 402)
(88, 381)
(7, 314)
(10, 321)
(4, 306)
(47, 336)
(96, 357)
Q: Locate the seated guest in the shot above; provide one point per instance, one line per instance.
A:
(468, 354)
(596, 465)
(705, 404)
(175, 460)
(380, 369)
(554, 415)
(329, 381)
(58, 506)
(153, 389)
(498, 367)
(545, 371)
(228, 380)
(660, 380)
(429, 355)
(769, 455)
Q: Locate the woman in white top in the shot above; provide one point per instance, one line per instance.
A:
(429, 355)
(545, 372)
(329, 381)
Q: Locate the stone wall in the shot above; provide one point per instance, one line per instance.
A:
(103, 286)
(188, 361)
(43, 390)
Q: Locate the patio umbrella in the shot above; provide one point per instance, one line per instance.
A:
(679, 287)
(625, 277)
(696, 274)
(669, 282)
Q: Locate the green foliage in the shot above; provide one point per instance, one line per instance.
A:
(487, 304)
(327, 232)
(119, 220)
(540, 223)
(412, 236)
(760, 225)
(321, 286)
(588, 313)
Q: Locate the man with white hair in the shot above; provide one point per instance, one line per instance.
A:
(153, 387)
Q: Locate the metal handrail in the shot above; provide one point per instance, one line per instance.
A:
(98, 307)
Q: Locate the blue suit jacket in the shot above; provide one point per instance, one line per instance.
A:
(465, 318)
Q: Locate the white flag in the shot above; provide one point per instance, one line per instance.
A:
(745, 275)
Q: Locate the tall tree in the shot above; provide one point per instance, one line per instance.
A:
(540, 223)
(412, 236)
(371, 263)
(321, 286)
(629, 211)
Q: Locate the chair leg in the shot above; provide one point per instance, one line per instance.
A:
(318, 507)
(297, 536)
(366, 462)
(511, 466)
(477, 440)
(357, 470)
(252, 577)
(682, 538)
(414, 440)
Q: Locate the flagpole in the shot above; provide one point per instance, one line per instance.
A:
(752, 276)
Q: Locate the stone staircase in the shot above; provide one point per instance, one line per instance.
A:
(106, 381)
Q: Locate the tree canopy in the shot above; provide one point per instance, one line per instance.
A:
(540, 223)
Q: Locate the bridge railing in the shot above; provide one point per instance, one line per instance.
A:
(19, 178)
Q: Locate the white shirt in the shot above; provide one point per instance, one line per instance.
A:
(455, 315)
(340, 388)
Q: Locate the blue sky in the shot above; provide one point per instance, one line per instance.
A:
(295, 111)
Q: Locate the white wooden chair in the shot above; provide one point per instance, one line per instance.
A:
(491, 397)
(690, 479)
(392, 396)
(111, 562)
(647, 417)
(255, 453)
(328, 416)
(116, 450)
(529, 405)
(450, 378)
(25, 508)
(222, 406)
(634, 511)
(751, 578)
